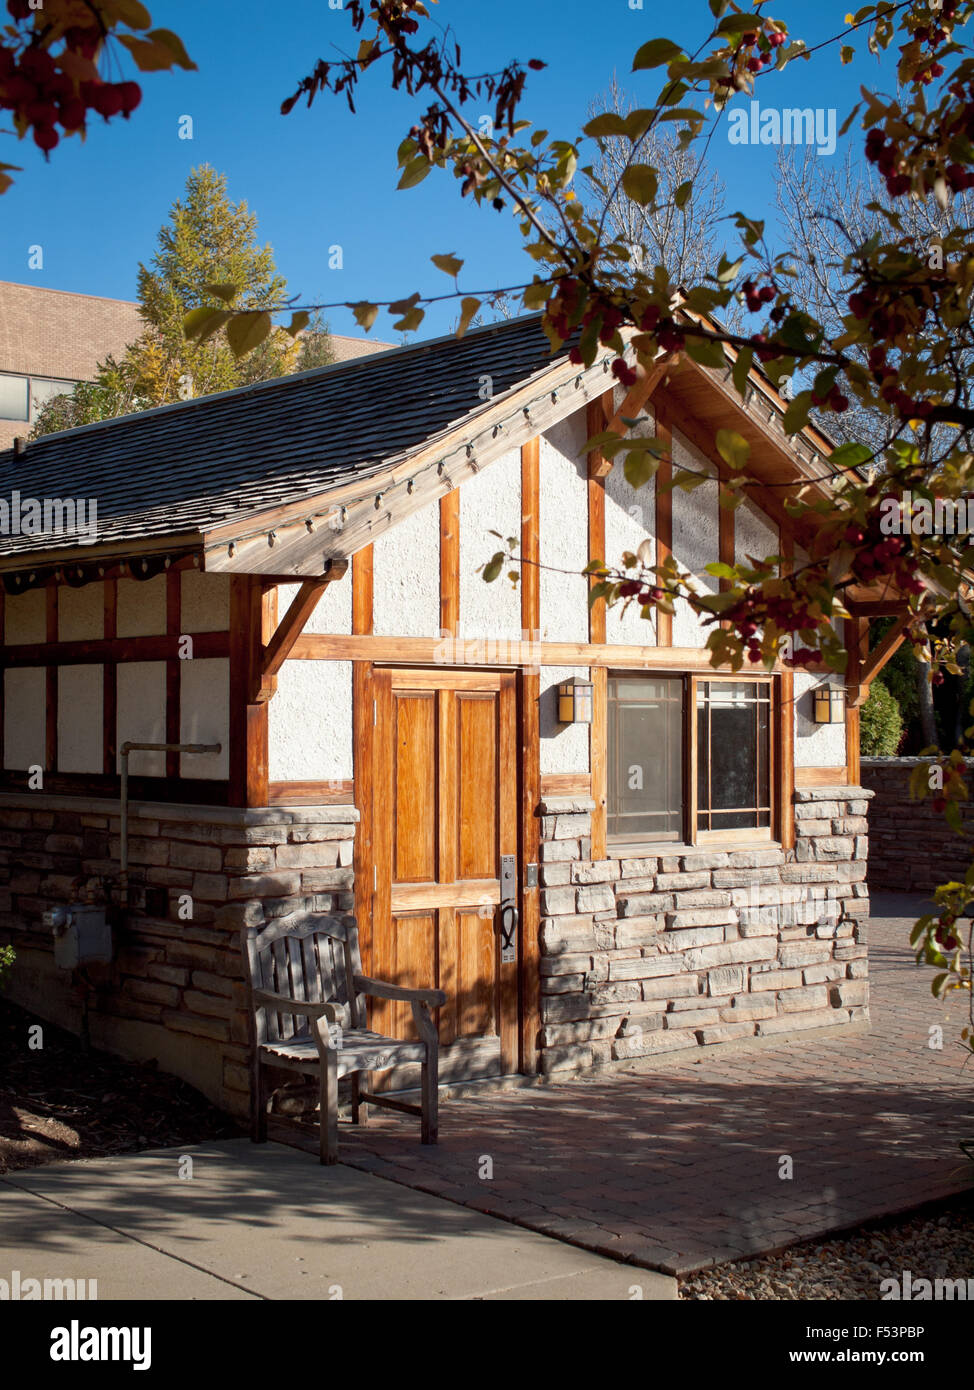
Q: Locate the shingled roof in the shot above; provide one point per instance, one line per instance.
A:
(199, 464)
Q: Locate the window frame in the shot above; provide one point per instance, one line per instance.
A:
(618, 845)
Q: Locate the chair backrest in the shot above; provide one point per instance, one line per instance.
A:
(306, 957)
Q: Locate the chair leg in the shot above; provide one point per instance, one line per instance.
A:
(258, 1105)
(328, 1129)
(360, 1110)
(430, 1096)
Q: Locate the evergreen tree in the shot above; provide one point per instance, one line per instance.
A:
(208, 240)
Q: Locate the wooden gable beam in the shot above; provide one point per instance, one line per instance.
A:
(638, 395)
(289, 629)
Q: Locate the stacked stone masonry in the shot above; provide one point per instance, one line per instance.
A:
(911, 847)
(672, 950)
(175, 989)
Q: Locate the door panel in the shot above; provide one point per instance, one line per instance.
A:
(444, 807)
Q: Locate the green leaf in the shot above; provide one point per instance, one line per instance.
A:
(365, 314)
(299, 320)
(468, 308)
(850, 455)
(655, 53)
(414, 172)
(742, 367)
(174, 43)
(493, 567)
(682, 193)
(247, 331)
(204, 322)
(225, 292)
(608, 123)
(708, 354)
(639, 467)
(639, 182)
(843, 128)
(131, 12)
(739, 24)
(733, 448)
(450, 265)
(796, 416)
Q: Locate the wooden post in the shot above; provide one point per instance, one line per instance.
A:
(529, 694)
(450, 561)
(362, 752)
(597, 414)
(110, 687)
(786, 724)
(50, 741)
(248, 721)
(173, 619)
(664, 516)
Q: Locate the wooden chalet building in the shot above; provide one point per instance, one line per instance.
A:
(662, 857)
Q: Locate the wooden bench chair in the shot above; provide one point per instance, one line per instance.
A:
(308, 1015)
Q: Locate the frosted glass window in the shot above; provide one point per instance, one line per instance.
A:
(13, 397)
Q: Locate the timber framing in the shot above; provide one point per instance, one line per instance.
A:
(278, 649)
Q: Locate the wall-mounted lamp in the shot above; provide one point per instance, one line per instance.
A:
(829, 704)
(575, 702)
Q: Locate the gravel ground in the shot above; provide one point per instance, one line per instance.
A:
(937, 1244)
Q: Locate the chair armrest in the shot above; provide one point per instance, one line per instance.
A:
(282, 1004)
(378, 989)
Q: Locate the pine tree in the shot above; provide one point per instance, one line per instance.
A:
(207, 240)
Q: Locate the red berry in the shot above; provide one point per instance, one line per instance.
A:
(45, 137)
(131, 94)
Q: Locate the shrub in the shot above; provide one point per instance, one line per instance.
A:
(7, 957)
(880, 724)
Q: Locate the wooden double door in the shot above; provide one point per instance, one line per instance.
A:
(445, 846)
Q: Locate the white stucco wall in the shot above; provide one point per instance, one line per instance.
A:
(310, 722)
(204, 602)
(25, 617)
(630, 519)
(80, 730)
(406, 576)
(81, 613)
(816, 745)
(754, 534)
(141, 714)
(564, 747)
(696, 537)
(563, 524)
(24, 717)
(141, 607)
(204, 715)
(490, 501)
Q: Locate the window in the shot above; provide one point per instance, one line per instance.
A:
(43, 390)
(22, 398)
(653, 763)
(13, 398)
(733, 755)
(645, 759)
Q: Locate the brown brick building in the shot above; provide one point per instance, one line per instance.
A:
(52, 339)
(49, 340)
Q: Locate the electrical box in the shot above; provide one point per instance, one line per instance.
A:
(82, 935)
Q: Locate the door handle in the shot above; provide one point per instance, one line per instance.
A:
(507, 919)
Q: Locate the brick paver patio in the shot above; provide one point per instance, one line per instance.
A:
(677, 1168)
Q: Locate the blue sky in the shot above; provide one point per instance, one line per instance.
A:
(324, 177)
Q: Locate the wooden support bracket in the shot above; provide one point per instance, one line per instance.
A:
(600, 467)
(870, 665)
(289, 629)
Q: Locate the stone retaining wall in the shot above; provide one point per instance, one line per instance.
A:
(912, 848)
(645, 955)
(175, 990)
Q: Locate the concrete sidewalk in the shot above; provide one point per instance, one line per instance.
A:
(268, 1222)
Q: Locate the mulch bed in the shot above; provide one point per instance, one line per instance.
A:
(57, 1102)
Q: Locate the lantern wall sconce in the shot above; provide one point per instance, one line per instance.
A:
(575, 702)
(829, 704)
